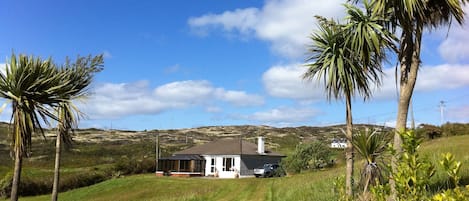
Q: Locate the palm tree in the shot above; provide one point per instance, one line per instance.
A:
(411, 17)
(348, 60)
(80, 74)
(370, 145)
(32, 85)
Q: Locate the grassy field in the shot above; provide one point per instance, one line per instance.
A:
(148, 187)
(307, 186)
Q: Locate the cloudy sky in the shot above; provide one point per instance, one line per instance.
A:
(183, 64)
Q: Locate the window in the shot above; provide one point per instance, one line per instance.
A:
(212, 165)
(184, 165)
(228, 164)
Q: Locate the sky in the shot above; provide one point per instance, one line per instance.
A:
(184, 64)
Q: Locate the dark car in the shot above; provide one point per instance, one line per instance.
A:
(268, 170)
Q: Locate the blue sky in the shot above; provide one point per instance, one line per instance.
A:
(183, 64)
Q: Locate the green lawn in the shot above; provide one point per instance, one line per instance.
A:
(309, 186)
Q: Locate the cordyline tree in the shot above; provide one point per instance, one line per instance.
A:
(347, 58)
(80, 75)
(34, 87)
(410, 18)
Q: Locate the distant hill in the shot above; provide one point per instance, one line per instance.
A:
(176, 139)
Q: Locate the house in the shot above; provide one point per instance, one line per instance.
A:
(226, 158)
(339, 143)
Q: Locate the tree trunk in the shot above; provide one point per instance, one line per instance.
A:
(349, 150)
(410, 63)
(16, 174)
(58, 150)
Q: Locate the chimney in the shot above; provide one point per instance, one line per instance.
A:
(260, 145)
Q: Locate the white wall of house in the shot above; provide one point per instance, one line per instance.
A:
(339, 145)
(225, 166)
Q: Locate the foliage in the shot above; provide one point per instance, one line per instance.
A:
(370, 145)
(347, 58)
(310, 156)
(413, 175)
(457, 193)
(409, 18)
(80, 77)
(452, 129)
(127, 166)
(5, 184)
(428, 131)
(339, 188)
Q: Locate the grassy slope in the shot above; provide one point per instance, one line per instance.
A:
(308, 186)
(149, 187)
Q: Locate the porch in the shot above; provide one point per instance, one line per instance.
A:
(181, 166)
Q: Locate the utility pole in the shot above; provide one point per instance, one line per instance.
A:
(442, 110)
(157, 149)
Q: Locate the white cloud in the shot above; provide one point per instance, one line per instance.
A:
(285, 23)
(242, 20)
(443, 77)
(453, 48)
(186, 92)
(239, 98)
(283, 115)
(430, 78)
(112, 100)
(286, 82)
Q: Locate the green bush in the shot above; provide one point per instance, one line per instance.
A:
(30, 186)
(5, 185)
(413, 173)
(127, 166)
(309, 156)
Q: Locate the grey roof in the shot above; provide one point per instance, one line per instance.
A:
(183, 157)
(226, 147)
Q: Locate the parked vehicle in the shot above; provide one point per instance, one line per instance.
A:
(269, 170)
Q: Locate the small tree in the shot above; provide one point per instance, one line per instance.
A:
(347, 58)
(370, 145)
(33, 86)
(80, 74)
(309, 156)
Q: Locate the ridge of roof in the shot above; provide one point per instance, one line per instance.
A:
(226, 147)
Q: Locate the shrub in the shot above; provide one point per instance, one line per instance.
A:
(5, 185)
(126, 166)
(82, 179)
(412, 175)
(30, 186)
(310, 156)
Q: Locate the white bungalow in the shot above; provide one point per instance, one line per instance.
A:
(339, 143)
(228, 158)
